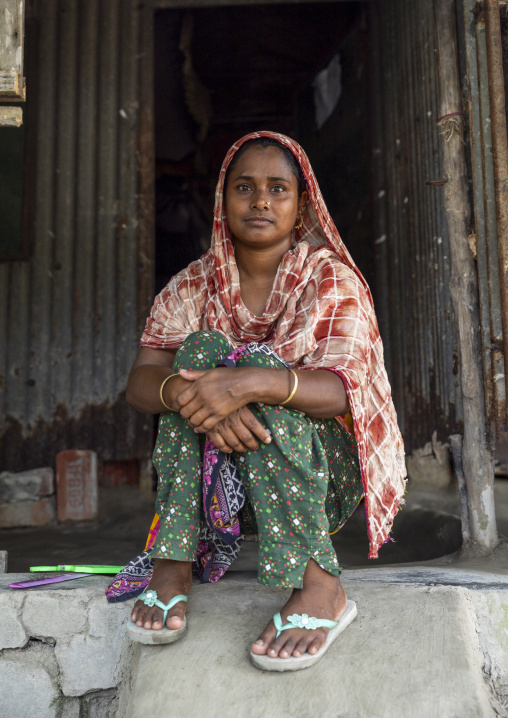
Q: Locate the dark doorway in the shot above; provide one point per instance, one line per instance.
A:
(223, 72)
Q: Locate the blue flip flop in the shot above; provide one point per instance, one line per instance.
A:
(309, 622)
(152, 637)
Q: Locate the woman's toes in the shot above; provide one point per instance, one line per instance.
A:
(300, 647)
(259, 647)
(140, 617)
(174, 622)
(147, 620)
(138, 611)
(315, 646)
(143, 620)
(287, 649)
(276, 647)
(176, 617)
(157, 621)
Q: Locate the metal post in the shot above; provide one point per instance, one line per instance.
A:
(500, 153)
(476, 458)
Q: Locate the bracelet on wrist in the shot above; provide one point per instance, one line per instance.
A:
(162, 388)
(295, 387)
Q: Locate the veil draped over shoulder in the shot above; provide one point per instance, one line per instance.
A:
(320, 315)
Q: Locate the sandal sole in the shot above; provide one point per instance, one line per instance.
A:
(149, 637)
(307, 660)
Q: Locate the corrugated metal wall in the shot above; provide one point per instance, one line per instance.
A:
(412, 251)
(477, 91)
(70, 316)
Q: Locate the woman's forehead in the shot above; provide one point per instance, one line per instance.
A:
(262, 160)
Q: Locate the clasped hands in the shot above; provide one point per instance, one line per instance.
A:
(214, 403)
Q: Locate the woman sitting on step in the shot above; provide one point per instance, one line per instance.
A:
(254, 355)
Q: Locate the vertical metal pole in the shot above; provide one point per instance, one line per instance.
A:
(480, 138)
(500, 153)
(146, 206)
(476, 458)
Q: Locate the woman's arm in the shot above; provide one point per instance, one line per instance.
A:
(215, 401)
(240, 430)
(320, 393)
(148, 372)
(214, 394)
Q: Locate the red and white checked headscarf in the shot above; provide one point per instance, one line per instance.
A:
(319, 315)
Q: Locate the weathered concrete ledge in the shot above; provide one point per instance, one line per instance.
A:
(416, 650)
(63, 651)
(428, 641)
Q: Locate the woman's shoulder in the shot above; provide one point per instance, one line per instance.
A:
(328, 266)
(193, 278)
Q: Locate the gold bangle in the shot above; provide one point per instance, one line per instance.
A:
(295, 387)
(161, 389)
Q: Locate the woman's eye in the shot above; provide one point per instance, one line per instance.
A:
(243, 187)
(278, 188)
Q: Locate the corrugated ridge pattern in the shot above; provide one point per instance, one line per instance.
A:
(69, 333)
(412, 250)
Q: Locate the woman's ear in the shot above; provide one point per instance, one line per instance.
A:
(302, 200)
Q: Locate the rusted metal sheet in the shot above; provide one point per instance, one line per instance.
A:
(478, 92)
(70, 320)
(411, 244)
(169, 4)
(146, 175)
(500, 153)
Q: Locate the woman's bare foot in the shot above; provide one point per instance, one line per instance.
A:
(322, 596)
(169, 579)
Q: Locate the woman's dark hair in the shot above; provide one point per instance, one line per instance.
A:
(269, 142)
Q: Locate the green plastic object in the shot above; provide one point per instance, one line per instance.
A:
(82, 568)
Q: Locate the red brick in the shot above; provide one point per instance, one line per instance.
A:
(76, 485)
(27, 513)
(119, 473)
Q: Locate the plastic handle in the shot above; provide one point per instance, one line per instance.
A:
(88, 568)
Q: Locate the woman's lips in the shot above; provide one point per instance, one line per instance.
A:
(258, 221)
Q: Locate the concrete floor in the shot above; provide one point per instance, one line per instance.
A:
(428, 527)
(411, 653)
(430, 640)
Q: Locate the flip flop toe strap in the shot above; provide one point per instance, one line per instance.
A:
(149, 598)
(301, 621)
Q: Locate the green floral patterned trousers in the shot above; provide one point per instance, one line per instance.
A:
(300, 487)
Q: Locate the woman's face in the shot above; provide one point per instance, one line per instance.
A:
(262, 199)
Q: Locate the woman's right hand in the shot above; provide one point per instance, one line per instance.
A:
(239, 431)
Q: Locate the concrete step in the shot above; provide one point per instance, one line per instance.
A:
(412, 652)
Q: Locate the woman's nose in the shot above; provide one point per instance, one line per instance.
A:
(260, 201)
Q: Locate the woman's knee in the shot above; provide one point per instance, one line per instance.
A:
(261, 359)
(201, 350)
(203, 336)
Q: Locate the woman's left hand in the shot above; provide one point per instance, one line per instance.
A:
(239, 431)
(213, 395)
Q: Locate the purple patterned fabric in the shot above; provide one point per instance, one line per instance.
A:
(223, 496)
(132, 579)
